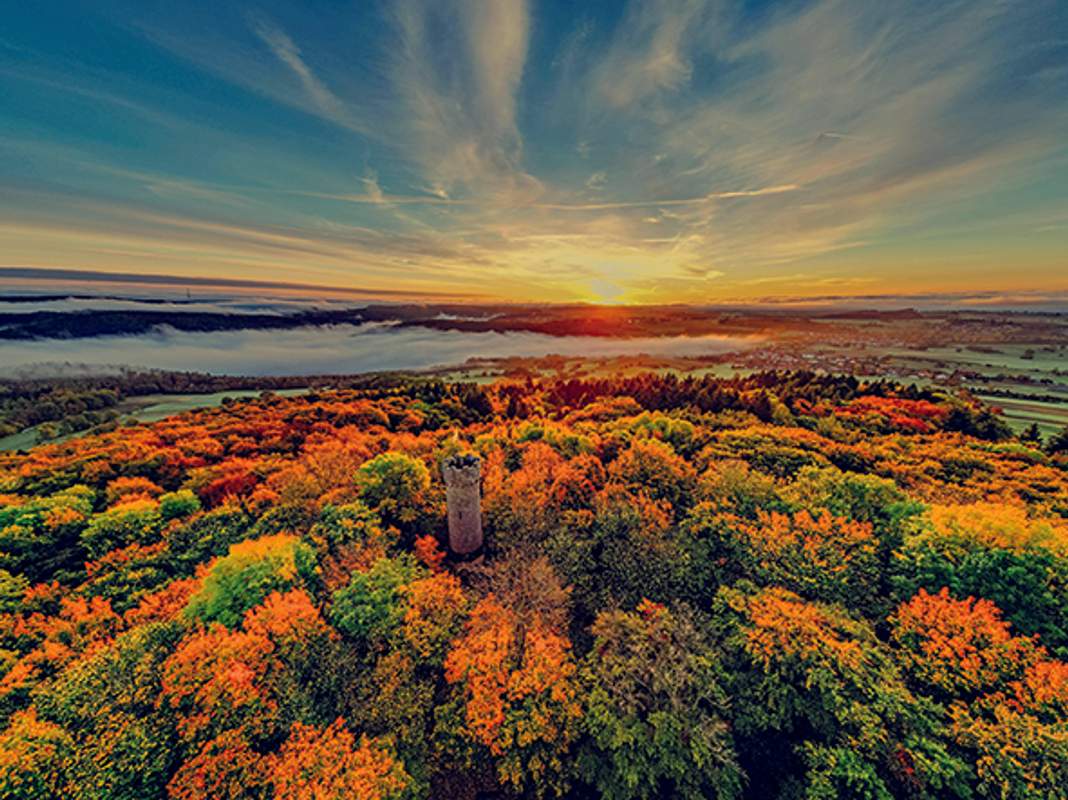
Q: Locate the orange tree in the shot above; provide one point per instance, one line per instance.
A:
(517, 699)
(329, 764)
(1006, 699)
(958, 648)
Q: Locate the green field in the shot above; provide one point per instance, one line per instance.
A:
(1020, 414)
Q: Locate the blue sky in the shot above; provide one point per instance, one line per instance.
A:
(688, 150)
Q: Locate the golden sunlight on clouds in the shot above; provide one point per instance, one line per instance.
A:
(652, 152)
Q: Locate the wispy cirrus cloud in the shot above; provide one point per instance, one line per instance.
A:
(869, 107)
(471, 142)
(289, 54)
(457, 67)
(652, 49)
(374, 195)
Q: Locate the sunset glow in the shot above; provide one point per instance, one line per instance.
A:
(689, 151)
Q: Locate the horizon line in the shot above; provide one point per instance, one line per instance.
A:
(955, 298)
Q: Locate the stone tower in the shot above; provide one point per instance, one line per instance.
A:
(463, 475)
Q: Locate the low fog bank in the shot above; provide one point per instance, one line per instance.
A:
(334, 349)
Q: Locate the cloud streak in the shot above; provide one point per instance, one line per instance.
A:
(505, 146)
(289, 54)
(457, 66)
(375, 196)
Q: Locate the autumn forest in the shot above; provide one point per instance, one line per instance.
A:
(788, 585)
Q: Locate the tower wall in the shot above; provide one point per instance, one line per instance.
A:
(463, 493)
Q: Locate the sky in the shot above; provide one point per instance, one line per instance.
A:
(656, 151)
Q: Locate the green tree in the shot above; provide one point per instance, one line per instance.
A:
(1058, 443)
(126, 745)
(251, 571)
(994, 552)
(176, 505)
(137, 521)
(349, 524)
(396, 487)
(625, 550)
(655, 713)
(12, 588)
(1032, 434)
(33, 757)
(371, 608)
(821, 709)
(652, 467)
(40, 538)
(205, 535)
